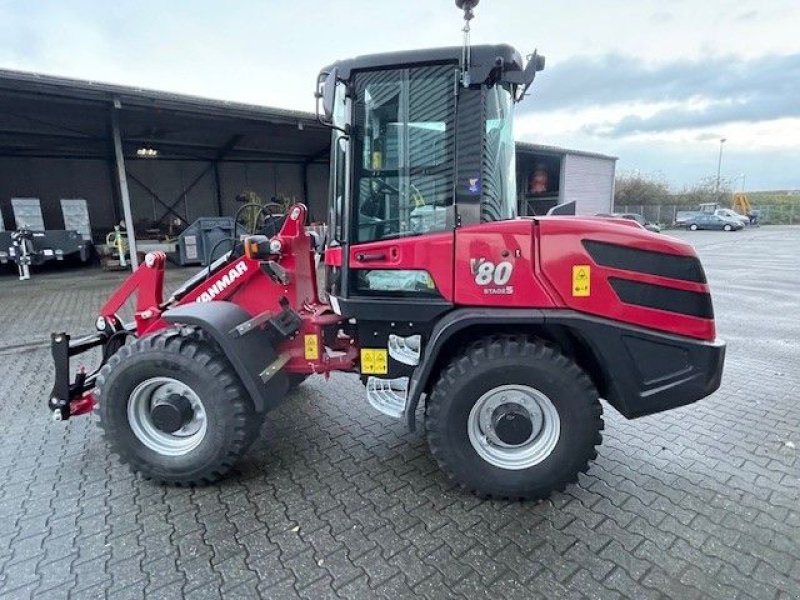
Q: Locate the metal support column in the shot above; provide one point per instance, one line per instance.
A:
(218, 188)
(305, 184)
(123, 182)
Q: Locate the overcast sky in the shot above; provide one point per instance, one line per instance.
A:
(656, 83)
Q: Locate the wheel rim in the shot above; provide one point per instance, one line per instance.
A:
(499, 441)
(140, 404)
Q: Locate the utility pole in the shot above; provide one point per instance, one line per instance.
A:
(719, 166)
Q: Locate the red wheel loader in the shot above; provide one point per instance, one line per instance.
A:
(503, 332)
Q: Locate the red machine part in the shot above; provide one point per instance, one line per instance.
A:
(520, 263)
(244, 282)
(496, 265)
(560, 248)
(526, 263)
(432, 253)
(147, 283)
(83, 405)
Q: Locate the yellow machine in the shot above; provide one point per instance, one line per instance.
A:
(116, 241)
(741, 204)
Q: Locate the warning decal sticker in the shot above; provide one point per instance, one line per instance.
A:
(311, 346)
(374, 361)
(581, 276)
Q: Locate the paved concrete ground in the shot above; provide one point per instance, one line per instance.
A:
(337, 501)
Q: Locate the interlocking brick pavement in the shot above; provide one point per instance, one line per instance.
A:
(336, 501)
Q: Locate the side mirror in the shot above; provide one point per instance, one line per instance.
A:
(535, 64)
(328, 93)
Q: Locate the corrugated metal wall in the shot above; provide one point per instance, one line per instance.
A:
(589, 181)
(50, 180)
(170, 181)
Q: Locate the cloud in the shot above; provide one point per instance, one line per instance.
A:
(757, 107)
(661, 17)
(747, 16)
(701, 93)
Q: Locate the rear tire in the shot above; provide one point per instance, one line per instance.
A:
(513, 418)
(221, 422)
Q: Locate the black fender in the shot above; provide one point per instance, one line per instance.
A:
(643, 371)
(249, 354)
(638, 371)
(448, 326)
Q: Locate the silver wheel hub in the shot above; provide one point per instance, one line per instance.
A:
(514, 427)
(153, 394)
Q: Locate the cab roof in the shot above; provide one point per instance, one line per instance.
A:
(483, 59)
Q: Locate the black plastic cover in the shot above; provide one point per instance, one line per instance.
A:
(249, 355)
(649, 295)
(687, 268)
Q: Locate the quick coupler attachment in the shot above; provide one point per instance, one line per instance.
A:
(69, 399)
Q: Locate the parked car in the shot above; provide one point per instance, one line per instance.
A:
(682, 216)
(634, 217)
(711, 221)
(728, 213)
(654, 227)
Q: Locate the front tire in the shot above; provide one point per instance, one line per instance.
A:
(513, 418)
(728, 228)
(693, 227)
(172, 407)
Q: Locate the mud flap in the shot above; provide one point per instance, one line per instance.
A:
(251, 355)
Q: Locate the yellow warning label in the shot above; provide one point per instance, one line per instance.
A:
(311, 346)
(374, 361)
(581, 277)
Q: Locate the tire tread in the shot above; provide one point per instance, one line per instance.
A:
(507, 346)
(190, 343)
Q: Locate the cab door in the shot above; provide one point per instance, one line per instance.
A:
(401, 231)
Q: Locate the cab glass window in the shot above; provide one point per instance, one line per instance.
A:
(403, 152)
(499, 200)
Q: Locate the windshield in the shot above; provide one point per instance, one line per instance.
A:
(404, 144)
(499, 200)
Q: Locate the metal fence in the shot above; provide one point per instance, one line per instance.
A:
(779, 214)
(664, 214)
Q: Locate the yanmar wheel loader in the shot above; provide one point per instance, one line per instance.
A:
(503, 332)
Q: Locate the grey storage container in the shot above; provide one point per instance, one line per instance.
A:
(204, 236)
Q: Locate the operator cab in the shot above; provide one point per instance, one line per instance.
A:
(422, 144)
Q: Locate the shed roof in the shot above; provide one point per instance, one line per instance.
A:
(50, 116)
(43, 115)
(530, 148)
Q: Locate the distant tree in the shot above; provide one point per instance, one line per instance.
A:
(705, 190)
(634, 189)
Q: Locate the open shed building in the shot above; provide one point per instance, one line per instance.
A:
(179, 157)
(548, 176)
